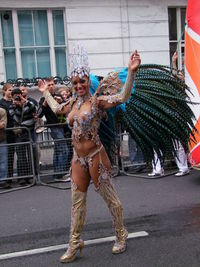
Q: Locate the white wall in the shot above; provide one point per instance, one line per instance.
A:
(111, 29)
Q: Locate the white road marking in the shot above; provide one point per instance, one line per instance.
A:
(64, 246)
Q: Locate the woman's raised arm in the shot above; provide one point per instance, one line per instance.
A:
(57, 108)
(123, 96)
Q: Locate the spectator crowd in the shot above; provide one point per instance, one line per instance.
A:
(20, 118)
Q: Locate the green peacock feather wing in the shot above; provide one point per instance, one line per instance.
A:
(157, 113)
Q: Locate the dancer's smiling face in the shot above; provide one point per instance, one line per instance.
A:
(81, 85)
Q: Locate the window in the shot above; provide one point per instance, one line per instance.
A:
(176, 33)
(33, 43)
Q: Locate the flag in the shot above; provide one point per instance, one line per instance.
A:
(192, 70)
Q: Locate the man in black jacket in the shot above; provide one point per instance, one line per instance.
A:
(23, 113)
(60, 155)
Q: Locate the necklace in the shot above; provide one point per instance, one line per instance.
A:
(81, 100)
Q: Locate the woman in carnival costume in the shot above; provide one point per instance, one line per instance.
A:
(90, 161)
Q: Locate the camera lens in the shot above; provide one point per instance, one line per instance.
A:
(17, 98)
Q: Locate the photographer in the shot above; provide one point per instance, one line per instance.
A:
(24, 91)
(23, 113)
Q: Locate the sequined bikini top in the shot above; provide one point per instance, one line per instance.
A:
(87, 125)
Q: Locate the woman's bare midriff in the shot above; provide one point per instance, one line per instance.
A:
(85, 147)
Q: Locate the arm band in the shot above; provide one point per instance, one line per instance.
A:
(127, 88)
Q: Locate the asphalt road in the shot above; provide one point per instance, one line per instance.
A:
(168, 209)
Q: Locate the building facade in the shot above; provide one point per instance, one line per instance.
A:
(36, 37)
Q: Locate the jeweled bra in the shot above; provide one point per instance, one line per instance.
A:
(88, 126)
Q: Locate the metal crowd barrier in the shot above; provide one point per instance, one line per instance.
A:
(132, 162)
(131, 158)
(18, 159)
(54, 148)
(54, 154)
(44, 155)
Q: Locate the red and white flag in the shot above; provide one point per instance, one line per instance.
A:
(192, 70)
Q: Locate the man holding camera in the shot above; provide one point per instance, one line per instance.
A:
(23, 113)
(24, 91)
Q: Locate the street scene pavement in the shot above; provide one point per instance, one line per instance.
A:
(166, 209)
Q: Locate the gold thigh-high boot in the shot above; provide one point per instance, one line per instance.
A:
(107, 191)
(77, 220)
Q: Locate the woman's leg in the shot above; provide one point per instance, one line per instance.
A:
(101, 176)
(80, 180)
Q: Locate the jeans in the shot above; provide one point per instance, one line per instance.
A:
(135, 152)
(24, 158)
(3, 160)
(11, 152)
(24, 166)
(60, 153)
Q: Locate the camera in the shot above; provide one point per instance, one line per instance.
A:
(58, 95)
(17, 98)
(58, 98)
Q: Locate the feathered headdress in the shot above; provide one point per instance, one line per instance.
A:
(79, 65)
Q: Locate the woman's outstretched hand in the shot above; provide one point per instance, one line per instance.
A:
(134, 61)
(42, 86)
(175, 57)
